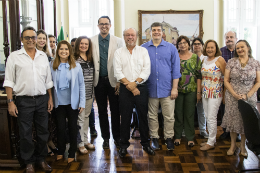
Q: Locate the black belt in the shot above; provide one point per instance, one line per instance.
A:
(33, 97)
(104, 77)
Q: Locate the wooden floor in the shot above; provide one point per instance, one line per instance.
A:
(182, 160)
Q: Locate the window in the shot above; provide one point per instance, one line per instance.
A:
(84, 15)
(242, 16)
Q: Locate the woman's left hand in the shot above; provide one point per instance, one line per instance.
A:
(81, 109)
(243, 96)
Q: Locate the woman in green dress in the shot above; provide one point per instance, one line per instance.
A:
(189, 91)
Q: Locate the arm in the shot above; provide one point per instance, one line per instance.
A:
(9, 84)
(221, 63)
(228, 85)
(256, 86)
(12, 109)
(135, 91)
(82, 94)
(198, 90)
(176, 74)
(50, 101)
(199, 79)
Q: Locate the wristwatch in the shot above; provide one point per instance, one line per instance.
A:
(9, 100)
(137, 83)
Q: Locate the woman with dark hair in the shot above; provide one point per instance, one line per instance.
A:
(42, 43)
(213, 68)
(189, 91)
(69, 97)
(197, 48)
(83, 55)
(242, 80)
(52, 40)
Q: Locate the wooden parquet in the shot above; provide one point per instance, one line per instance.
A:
(182, 160)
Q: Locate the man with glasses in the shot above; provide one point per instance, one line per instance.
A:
(28, 75)
(106, 86)
(132, 69)
(162, 85)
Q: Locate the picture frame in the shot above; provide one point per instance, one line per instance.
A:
(175, 23)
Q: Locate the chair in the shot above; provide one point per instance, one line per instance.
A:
(251, 121)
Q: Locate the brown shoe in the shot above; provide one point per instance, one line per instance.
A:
(45, 166)
(206, 147)
(204, 143)
(29, 168)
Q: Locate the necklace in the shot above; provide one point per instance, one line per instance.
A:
(243, 64)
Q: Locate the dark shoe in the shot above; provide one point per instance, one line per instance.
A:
(117, 143)
(155, 144)
(149, 150)
(224, 135)
(177, 142)
(106, 144)
(169, 143)
(29, 168)
(191, 144)
(122, 152)
(44, 166)
(93, 131)
(238, 138)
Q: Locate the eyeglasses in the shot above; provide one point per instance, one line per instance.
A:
(196, 44)
(28, 38)
(103, 24)
(182, 43)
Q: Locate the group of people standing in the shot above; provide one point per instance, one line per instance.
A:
(128, 76)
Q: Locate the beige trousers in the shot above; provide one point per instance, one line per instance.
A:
(168, 107)
(83, 122)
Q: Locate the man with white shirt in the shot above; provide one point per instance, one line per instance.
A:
(104, 46)
(28, 75)
(132, 68)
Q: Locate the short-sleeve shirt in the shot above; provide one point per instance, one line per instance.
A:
(190, 72)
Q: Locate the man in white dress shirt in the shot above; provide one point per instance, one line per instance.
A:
(132, 68)
(28, 75)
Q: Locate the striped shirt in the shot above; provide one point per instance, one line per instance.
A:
(88, 73)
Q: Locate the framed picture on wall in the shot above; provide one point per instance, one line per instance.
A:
(175, 24)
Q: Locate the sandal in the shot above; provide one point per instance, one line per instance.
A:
(83, 150)
(177, 142)
(90, 146)
(191, 143)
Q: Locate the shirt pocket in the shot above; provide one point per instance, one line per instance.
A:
(165, 55)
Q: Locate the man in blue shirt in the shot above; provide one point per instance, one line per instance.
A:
(162, 84)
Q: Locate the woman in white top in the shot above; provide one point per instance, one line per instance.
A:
(197, 48)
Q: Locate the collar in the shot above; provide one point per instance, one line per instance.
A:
(163, 43)
(23, 51)
(228, 49)
(66, 65)
(101, 38)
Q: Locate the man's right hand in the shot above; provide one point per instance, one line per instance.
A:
(136, 91)
(12, 109)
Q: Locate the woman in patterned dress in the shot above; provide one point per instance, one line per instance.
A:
(213, 69)
(83, 55)
(189, 92)
(242, 80)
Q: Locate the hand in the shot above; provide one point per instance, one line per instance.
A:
(117, 88)
(136, 91)
(198, 97)
(174, 94)
(131, 85)
(50, 105)
(237, 96)
(12, 109)
(81, 109)
(243, 96)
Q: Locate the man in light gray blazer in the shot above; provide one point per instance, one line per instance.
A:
(103, 47)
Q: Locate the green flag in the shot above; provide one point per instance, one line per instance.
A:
(61, 35)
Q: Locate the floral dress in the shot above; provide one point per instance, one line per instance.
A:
(242, 81)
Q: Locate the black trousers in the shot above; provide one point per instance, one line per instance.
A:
(127, 101)
(63, 112)
(33, 110)
(102, 91)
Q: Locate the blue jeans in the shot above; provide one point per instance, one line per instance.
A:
(201, 117)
